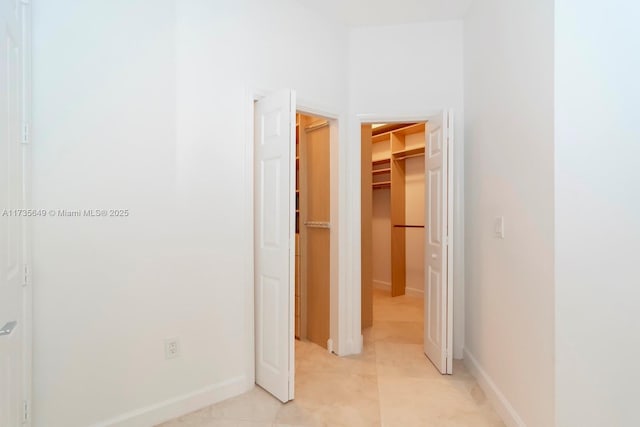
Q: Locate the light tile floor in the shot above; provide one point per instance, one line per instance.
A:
(390, 384)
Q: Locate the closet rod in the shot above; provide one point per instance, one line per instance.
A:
(316, 126)
(317, 224)
(408, 226)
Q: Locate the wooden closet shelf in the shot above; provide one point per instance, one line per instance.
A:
(407, 130)
(380, 161)
(409, 152)
(381, 171)
(384, 184)
(383, 137)
(388, 127)
(396, 129)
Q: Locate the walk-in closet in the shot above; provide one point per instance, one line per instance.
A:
(312, 270)
(393, 211)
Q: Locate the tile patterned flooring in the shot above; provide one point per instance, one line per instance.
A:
(390, 384)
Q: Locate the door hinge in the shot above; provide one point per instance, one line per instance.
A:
(25, 411)
(26, 132)
(26, 274)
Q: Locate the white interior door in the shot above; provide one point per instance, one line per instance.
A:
(14, 368)
(438, 296)
(275, 242)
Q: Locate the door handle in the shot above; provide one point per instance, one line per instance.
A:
(8, 328)
(434, 256)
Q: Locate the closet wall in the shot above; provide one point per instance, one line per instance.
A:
(414, 213)
(381, 238)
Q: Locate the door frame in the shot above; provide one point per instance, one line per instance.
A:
(25, 321)
(247, 176)
(27, 236)
(455, 304)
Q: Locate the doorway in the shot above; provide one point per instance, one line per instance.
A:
(293, 244)
(406, 245)
(313, 225)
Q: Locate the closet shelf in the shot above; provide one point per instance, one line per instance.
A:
(383, 184)
(380, 161)
(383, 137)
(411, 129)
(381, 171)
(409, 152)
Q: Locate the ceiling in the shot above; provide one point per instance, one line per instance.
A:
(358, 13)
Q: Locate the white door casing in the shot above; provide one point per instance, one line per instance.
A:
(438, 295)
(274, 192)
(14, 344)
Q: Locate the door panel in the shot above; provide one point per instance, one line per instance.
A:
(13, 357)
(274, 243)
(438, 326)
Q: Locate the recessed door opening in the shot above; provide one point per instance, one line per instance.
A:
(313, 219)
(292, 238)
(405, 227)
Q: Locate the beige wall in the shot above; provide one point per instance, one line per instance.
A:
(381, 237)
(509, 162)
(154, 119)
(597, 211)
(414, 205)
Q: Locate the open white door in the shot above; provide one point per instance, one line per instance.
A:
(274, 191)
(14, 344)
(438, 296)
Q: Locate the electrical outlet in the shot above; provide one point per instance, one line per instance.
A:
(171, 348)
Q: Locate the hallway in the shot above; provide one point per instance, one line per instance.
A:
(391, 384)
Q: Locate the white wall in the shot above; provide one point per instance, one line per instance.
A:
(408, 70)
(597, 199)
(142, 105)
(509, 159)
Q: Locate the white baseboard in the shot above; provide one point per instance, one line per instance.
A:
(172, 408)
(379, 284)
(500, 403)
